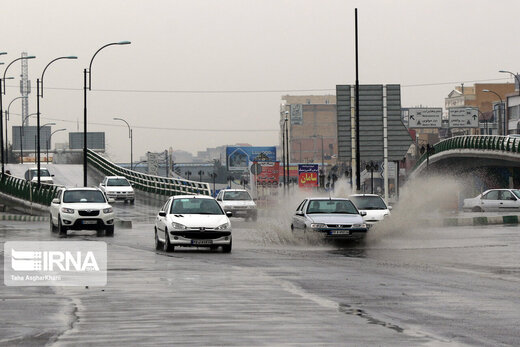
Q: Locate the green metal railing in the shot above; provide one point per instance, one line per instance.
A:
(148, 183)
(25, 190)
(479, 142)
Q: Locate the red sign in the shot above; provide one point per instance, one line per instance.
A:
(308, 175)
(270, 174)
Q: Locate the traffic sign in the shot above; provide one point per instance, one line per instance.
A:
(424, 117)
(463, 117)
(256, 169)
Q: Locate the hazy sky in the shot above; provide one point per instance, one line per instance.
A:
(222, 66)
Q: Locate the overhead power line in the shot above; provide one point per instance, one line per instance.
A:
(258, 91)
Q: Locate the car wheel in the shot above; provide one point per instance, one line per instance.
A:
(476, 209)
(227, 248)
(62, 231)
(158, 243)
(109, 231)
(99, 232)
(52, 227)
(132, 202)
(167, 247)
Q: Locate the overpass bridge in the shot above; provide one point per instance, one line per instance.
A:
(34, 199)
(490, 155)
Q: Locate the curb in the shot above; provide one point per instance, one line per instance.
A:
(474, 221)
(23, 218)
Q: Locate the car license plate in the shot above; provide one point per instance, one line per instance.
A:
(90, 222)
(201, 242)
(340, 232)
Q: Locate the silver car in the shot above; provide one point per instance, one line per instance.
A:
(334, 218)
(494, 200)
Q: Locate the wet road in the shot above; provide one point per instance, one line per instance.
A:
(449, 286)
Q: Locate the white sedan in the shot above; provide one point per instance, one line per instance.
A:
(494, 200)
(192, 221)
(373, 205)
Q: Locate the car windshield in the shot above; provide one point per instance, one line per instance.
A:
(331, 206)
(238, 195)
(43, 173)
(83, 196)
(119, 182)
(368, 202)
(195, 206)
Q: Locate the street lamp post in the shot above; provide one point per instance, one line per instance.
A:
(2, 80)
(130, 135)
(6, 127)
(200, 175)
(49, 141)
(188, 174)
(500, 113)
(39, 88)
(213, 175)
(89, 87)
(515, 76)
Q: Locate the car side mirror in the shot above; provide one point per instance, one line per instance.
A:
(362, 213)
(229, 213)
(111, 200)
(390, 208)
(162, 213)
(299, 213)
(52, 175)
(55, 201)
(102, 184)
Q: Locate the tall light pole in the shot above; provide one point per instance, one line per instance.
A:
(39, 88)
(2, 92)
(500, 114)
(515, 76)
(6, 127)
(49, 141)
(130, 135)
(89, 87)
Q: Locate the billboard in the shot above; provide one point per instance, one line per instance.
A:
(297, 114)
(238, 158)
(95, 140)
(307, 175)
(425, 118)
(27, 136)
(270, 173)
(463, 117)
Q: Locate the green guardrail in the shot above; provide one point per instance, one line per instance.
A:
(479, 142)
(26, 190)
(148, 183)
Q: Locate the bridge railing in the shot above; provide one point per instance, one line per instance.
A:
(148, 183)
(26, 190)
(483, 142)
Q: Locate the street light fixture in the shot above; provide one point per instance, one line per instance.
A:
(131, 136)
(372, 166)
(6, 127)
(515, 76)
(49, 141)
(500, 111)
(200, 175)
(188, 174)
(2, 92)
(89, 86)
(39, 88)
(213, 175)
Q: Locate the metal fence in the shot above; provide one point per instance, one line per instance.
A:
(483, 142)
(148, 183)
(26, 190)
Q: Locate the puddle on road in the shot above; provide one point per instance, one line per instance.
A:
(348, 309)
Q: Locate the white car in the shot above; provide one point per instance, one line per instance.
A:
(118, 188)
(192, 221)
(239, 202)
(81, 209)
(334, 218)
(494, 200)
(45, 176)
(373, 205)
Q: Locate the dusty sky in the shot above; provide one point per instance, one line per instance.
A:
(203, 73)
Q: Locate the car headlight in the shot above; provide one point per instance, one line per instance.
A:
(362, 225)
(108, 210)
(225, 226)
(318, 225)
(179, 226)
(67, 210)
